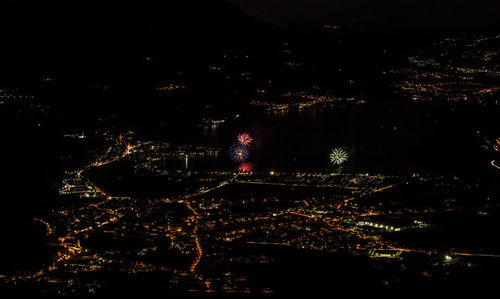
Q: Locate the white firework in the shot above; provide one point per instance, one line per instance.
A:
(338, 156)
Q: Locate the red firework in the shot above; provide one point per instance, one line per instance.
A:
(245, 139)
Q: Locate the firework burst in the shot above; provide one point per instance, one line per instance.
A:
(238, 152)
(338, 156)
(245, 139)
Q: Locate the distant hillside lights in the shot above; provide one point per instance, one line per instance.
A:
(171, 87)
(215, 68)
(76, 136)
(456, 70)
(7, 96)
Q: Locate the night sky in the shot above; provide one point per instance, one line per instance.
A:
(378, 13)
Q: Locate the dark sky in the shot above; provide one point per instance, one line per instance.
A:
(379, 13)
